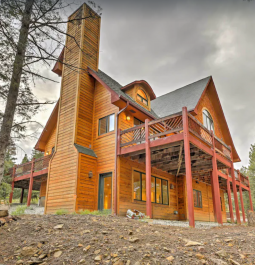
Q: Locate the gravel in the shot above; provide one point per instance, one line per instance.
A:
(32, 209)
(198, 224)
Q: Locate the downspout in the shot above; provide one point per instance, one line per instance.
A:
(116, 154)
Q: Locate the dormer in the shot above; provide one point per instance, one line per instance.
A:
(141, 92)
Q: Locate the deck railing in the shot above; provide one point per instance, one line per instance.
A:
(35, 165)
(157, 129)
(172, 125)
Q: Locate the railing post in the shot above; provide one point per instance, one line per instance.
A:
(230, 201)
(216, 185)
(29, 195)
(241, 197)
(148, 170)
(188, 167)
(234, 189)
(13, 176)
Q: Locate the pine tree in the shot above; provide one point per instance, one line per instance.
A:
(251, 171)
(5, 187)
(36, 154)
(25, 159)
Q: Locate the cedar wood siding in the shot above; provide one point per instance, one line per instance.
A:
(206, 102)
(51, 141)
(62, 175)
(126, 201)
(104, 148)
(74, 117)
(86, 187)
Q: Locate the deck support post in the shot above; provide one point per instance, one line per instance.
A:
(213, 198)
(251, 206)
(30, 189)
(22, 195)
(216, 185)
(230, 201)
(241, 199)
(148, 170)
(188, 167)
(13, 176)
(235, 192)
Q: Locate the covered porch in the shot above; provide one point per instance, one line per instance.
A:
(180, 145)
(31, 176)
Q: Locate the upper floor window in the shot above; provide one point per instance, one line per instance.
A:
(208, 121)
(141, 96)
(106, 124)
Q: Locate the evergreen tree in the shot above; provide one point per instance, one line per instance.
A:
(251, 171)
(25, 159)
(36, 154)
(5, 187)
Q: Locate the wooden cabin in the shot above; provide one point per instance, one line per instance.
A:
(109, 146)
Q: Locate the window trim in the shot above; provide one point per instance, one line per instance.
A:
(141, 172)
(142, 99)
(206, 112)
(198, 191)
(107, 125)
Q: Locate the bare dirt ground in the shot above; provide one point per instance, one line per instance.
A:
(86, 239)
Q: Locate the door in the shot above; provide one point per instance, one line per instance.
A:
(105, 192)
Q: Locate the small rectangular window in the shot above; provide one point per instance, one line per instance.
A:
(106, 124)
(197, 195)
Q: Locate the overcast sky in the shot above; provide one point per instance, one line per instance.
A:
(173, 43)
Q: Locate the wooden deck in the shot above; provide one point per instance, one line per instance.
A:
(166, 138)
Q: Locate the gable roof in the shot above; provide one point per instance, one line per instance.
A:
(173, 102)
(117, 88)
(146, 84)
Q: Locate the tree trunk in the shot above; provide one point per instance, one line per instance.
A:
(15, 84)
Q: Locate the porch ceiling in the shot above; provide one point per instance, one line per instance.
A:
(171, 158)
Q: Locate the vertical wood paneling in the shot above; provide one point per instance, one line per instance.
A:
(126, 192)
(87, 187)
(76, 86)
(51, 142)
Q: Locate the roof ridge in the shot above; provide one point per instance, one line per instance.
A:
(183, 87)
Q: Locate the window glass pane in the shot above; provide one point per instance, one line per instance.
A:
(103, 125)
(137, 186)
(165, 191)
(158, 191)
(152, 189)
(111, 123)
(143, 187)
(195, 197)
(199, 195)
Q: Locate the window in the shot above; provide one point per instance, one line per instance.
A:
(208, 121)
(106, 124)
(141, 96)
(53, 150)
(197, 196)
(159, 188)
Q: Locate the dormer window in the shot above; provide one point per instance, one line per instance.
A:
(207, 120)
(141, 96)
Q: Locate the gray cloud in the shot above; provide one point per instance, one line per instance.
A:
(173, 43)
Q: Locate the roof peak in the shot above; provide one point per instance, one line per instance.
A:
(208, 77)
